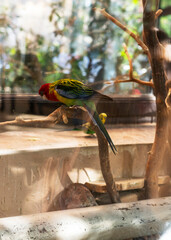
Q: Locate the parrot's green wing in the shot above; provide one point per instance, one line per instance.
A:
(73, 89)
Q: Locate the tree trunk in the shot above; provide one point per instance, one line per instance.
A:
(159, 78)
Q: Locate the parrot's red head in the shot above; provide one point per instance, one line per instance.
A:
(46, 94)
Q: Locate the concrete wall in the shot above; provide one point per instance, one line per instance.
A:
(31, 179)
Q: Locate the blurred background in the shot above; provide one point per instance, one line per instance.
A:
(43, 41)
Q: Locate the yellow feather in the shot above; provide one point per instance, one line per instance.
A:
(66, 101)
(87, 125)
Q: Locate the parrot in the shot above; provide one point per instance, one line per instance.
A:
(72, 92)
(87, 125)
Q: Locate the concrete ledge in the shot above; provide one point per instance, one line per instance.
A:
(124, 184)
(119, 221)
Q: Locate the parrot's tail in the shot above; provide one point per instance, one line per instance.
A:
(96, 120)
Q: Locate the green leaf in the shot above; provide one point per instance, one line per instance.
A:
(12, 51)
(50, 17)
(135, 2)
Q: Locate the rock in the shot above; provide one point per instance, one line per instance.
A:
(76, 195)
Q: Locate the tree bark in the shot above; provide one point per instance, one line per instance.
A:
(105, 167)
(159, 78)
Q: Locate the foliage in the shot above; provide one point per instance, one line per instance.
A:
(165, 20)
(77, 43)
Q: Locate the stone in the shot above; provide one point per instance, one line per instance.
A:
(76, 195)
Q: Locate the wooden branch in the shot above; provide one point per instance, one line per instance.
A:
(137, 39)
(19, 121)
(130, 62)
(167, 99)
(59, 115)
(150, 84)
(166, 11)
(124, 28)
(105, 166)
(62, 114)
(131, 77)
(158, 13)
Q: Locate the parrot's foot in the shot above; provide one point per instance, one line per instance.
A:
(78, 107)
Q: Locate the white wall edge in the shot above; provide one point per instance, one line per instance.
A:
(115, 221)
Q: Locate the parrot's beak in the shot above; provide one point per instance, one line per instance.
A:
(44, 97)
